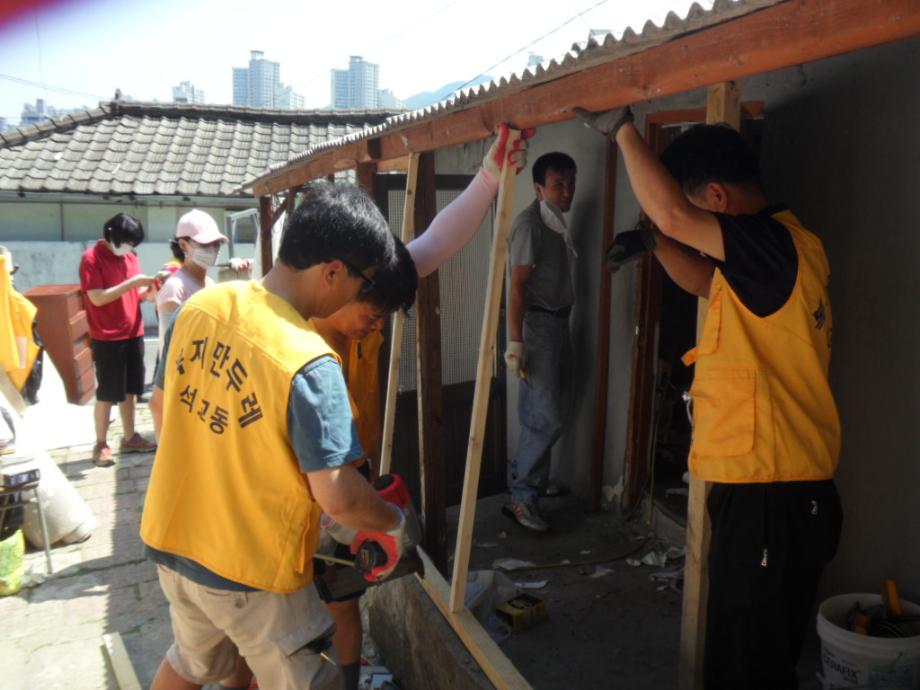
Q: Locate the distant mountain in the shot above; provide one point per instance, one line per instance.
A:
(426, 98)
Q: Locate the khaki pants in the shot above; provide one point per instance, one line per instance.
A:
(213, 627)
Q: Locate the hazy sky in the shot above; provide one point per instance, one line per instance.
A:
(145, 48)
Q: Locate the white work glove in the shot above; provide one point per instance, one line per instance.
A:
(497, 154)
(240, 265)
(607, 122)
(515, 356)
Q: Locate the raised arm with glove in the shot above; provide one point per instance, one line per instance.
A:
(458, 222)
(629, 246)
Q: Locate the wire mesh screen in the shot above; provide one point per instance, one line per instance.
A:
(462, 281)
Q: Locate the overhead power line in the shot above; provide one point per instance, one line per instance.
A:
(517, 52)
(59, 89)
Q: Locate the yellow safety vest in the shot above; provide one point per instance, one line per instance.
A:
(762, 406)
(362, 373)
(226, 489)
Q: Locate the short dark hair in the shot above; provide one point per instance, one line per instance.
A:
(710, 153)
(176, 249)
(336, 222)
(122, 228)
(558, 161)
(395, 283)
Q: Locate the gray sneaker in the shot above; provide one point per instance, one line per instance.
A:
(526, 516)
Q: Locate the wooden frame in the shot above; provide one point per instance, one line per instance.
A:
(599, 440)
(428, 388)
(399, 320)
(449, 598)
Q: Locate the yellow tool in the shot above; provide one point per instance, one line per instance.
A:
(891, 599)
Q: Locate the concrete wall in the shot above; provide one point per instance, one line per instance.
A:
(840, 148)
(33, 218)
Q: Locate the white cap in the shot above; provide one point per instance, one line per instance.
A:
(200, 227)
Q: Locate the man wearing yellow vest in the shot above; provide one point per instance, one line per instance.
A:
(256, 439)
(354, 333)
(765, 427)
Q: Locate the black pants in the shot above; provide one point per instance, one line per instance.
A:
(770, 543)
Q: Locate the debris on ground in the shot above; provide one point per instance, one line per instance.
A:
(658, 559)
(672, 579)
(538, 584)
(510, 564)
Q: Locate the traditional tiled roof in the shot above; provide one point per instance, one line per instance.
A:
(599, 49)
(164, 149)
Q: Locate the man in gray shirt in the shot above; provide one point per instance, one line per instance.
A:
(539, 349)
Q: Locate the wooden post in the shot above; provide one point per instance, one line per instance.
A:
(365, 175)
(432, 470)
(266, 221)
(483, 381)
(399, 320)
(603, 338)
(723, 104)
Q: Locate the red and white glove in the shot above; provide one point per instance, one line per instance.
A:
(378, 553)
(497, 154)
(240, 265)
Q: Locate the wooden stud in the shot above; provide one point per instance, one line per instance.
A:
(783, 35)
(432, 464)
(497, 667)
(399, 320)
(365, 175)
(483, 380)
(395, 165)
(118, 657)
(265, 232)
(722, 105)
(599, 442)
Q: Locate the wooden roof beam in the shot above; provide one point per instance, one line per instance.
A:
(786, 34)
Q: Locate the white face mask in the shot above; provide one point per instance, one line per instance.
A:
(120, 250)
(552, 217)
(205, 257)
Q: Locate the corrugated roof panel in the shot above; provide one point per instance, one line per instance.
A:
(596, 50)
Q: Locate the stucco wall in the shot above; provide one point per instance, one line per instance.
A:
(840, 147)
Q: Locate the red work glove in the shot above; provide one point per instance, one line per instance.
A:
(498, 154)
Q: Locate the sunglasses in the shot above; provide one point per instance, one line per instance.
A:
(367, 284)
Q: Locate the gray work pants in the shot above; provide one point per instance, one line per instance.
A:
(540, 402)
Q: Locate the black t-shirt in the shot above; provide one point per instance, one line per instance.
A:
(761, 263)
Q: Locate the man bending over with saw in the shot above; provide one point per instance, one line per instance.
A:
(256, 441)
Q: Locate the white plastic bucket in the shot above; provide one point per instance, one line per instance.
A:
(858, 661)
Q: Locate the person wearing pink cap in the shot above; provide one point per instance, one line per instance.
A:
(198, 241)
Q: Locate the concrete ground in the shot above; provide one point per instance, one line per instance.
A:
(615, 629)
(608, 624)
